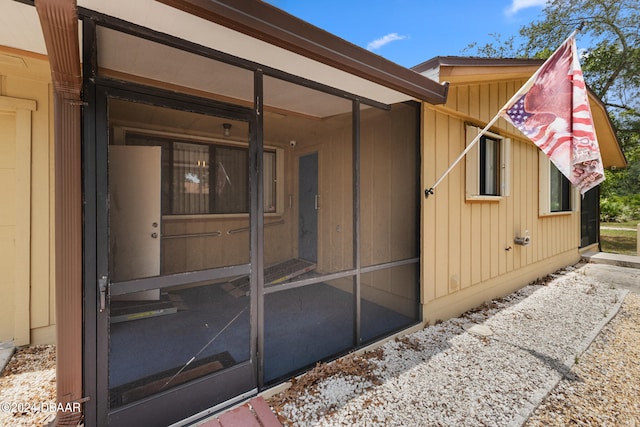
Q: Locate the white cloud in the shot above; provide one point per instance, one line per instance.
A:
(378, 43)
(518, 5)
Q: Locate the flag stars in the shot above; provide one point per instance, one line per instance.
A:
(517, 113)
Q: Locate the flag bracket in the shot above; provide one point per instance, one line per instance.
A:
(428, 192)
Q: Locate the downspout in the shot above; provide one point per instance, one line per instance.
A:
(59, 21)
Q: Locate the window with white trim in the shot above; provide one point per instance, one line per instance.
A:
(487, 165)
(557, 195)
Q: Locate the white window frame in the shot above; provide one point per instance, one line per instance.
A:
(472, 188)
(544, 178)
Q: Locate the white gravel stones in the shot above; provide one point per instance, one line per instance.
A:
(444, 375)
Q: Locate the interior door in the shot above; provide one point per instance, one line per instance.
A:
(308, 198)
(178, 315)
(135, 182)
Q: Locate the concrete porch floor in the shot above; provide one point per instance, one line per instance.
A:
(623, 270)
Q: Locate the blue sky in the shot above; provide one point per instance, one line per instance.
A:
(409, 32)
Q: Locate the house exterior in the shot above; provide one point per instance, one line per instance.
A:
(469, 235)
(232, 195)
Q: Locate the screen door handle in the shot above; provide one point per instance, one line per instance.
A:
(102, 287)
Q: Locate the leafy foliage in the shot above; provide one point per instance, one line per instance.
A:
(620, 208)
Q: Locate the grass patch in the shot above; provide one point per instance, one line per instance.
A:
(618, 241)
(627, 224)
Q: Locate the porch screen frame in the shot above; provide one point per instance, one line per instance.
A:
(95, 361)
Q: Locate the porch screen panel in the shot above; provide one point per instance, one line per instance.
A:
(312, 219)
(389, 178)
(305, 325)
(309, 232)
(389, 208)
(389, 300)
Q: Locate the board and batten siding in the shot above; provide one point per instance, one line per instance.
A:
(27, 274)
(469, 255)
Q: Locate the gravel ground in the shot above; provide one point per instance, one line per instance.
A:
(28, 387)
(446, 375)
(603, 387)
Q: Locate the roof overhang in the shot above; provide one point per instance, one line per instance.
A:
(463, 70)
(612, 155)
(456, 69)
(251, 30)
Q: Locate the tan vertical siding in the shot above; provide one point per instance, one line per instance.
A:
(27, 79)
(7, 224)
(455, 180)
(468, 250)
(428, 209)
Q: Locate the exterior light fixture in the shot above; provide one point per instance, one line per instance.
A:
(227, 129)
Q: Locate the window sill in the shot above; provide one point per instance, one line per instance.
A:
(552, 214)
(490, 199)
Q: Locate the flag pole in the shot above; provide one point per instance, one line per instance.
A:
(429, 191)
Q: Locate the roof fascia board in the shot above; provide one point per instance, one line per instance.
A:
(465, 61)
(475, 70)
(272, 25)
(610, 148)
(484, 74)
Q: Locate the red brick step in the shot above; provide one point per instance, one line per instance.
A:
(255, 413)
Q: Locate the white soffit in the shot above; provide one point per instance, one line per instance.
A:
(20, 27)
(165, 19)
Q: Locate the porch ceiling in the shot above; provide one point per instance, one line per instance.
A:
(20, 27)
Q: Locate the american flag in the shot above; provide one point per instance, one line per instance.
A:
(552, 109)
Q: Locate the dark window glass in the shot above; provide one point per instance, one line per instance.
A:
(489, 166)
(559, 190)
